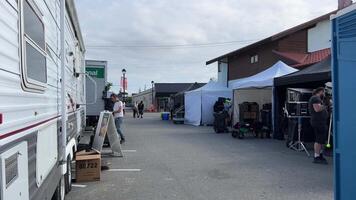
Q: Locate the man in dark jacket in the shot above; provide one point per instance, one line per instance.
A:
(319, 117)
(141, 107)
(219, 105)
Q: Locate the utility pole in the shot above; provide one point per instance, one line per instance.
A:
(152, 83)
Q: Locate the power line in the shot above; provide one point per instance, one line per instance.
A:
(170, 46)
(157, 65)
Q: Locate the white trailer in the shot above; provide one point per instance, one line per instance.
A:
(38, 133)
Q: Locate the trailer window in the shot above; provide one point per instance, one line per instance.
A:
(34, 46)
(33, 26)
(36, 64)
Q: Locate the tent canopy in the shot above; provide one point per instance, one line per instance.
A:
(199, 103)
(318, 72)
(257, 88)
(264, 78)
(193, 86)
(211, 87)
(177, 100)
(311, 77)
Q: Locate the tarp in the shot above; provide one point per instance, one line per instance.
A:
(199, 103)
(264, 78)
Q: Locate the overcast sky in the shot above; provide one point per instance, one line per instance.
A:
(164, 40)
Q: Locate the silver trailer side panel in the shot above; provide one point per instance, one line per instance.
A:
(98, 71)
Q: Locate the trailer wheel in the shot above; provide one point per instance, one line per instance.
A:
(59, 194)
(68, 176)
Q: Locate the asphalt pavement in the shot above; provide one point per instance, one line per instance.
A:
(181, 162)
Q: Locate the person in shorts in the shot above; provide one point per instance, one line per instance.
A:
(319, 118)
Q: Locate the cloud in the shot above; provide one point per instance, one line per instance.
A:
(113, 23)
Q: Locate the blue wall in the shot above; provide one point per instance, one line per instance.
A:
(344, 79)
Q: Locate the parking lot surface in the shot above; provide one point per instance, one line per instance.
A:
(181, 162)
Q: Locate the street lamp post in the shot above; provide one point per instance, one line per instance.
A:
(152, 83)
(123, 84)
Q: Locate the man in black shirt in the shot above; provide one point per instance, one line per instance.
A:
(141, 107)
(319, 117)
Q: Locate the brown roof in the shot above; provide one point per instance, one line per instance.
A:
(275, 37)
(294, 57)
(305, 59)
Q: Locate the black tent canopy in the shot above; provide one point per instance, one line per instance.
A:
(311, 77)
(191, 87)
(318, 72)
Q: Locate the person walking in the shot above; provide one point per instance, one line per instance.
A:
(141, 107)
(319, 118)
(135, 110)
(118, 112)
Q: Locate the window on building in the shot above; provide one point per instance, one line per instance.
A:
(254, 59)
(219, 67)
(34, 46)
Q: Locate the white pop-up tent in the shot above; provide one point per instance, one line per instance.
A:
(257, 88)
(199, 103)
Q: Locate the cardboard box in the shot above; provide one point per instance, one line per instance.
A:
(88, 166)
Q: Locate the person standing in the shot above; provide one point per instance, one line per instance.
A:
(118, 112)
(319, 118)
(141, 107)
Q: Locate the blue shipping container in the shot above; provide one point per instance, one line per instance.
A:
(344, 92)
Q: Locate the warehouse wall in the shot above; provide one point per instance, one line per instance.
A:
(222, 73)
(319, 37)
(145, 96)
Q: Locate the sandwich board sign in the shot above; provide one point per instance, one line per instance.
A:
(106, 126)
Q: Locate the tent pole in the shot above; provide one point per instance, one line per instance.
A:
(233, 109)
(201, 107)
(273, 106)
